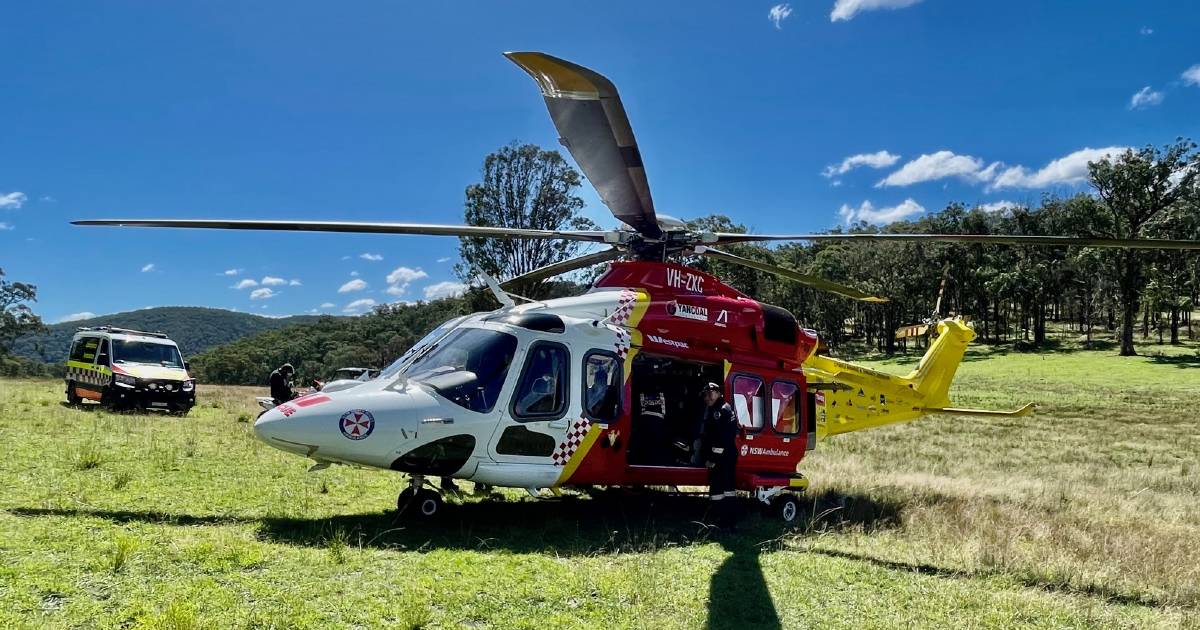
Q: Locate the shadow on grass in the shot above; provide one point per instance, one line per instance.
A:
(609, 522)
(1029, 581)
(1179, 361)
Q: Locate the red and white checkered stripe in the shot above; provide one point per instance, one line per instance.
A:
(625, 305)
(574, 437)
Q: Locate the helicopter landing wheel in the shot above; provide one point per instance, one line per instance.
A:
(423, 503)
(786, 508)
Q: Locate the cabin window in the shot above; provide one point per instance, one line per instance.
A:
(749, 401)
(542, 391)
(81, 348)
(784, 407)
(602, 385)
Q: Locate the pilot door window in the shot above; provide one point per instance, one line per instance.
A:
(748, 402)
(542, 392)
(102, 355)
(602, 385)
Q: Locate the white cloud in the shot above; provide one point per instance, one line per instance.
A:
(879, 216)
(779, 13)
(74, 317)
(147, 268)
(371, 257)
(444, 259)
(1069, 169)
(358, 306)
(931, 166)
(401, 277)
(5, 227)
(1145, 97)
(879, 159)
(1146, 30)
(272, 281)
(12, 200)
(353, 285)
(262, 294)
(232, 272)
(353, 274)
(998, 206)
(1191, 76)
(328, 305)
(246, 283)
(294, 283)
(846, 9)
(444, 290)
(405, 275)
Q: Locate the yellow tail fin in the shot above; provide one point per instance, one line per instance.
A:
(936, 370)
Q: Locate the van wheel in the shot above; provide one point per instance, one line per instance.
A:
(73, 398)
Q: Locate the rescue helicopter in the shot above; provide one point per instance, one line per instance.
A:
(602, 389)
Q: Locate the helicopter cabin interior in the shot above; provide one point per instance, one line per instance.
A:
(667, 409)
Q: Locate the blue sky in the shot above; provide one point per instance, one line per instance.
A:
(788, 117)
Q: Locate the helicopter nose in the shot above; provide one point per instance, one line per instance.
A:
(273, 428)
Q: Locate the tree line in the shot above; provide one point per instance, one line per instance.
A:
(1010, 292)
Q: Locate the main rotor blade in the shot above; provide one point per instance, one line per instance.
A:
(355, 227)
(591, 121)
(983, 239)
(791, 274)
(558, 268)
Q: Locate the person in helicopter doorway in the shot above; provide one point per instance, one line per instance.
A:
(281, 384)
(719, 450)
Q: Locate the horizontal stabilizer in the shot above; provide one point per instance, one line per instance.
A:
(953, 411)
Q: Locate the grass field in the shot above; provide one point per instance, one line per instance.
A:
(1084, 515)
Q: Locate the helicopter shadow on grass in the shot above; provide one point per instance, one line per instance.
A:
(609, 522)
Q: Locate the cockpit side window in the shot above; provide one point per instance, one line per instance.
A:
(602, 387)
(541, 393)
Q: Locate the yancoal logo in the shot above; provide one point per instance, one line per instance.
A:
(682, 345)
(687, 311)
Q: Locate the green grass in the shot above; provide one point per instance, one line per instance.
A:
(1084, 515)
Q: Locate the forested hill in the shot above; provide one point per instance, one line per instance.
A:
(319, 347)
(194, 328)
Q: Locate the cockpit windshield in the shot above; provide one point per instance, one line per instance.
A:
(419, 347)
(467, 366)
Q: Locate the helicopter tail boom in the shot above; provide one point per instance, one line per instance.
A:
(854, 398)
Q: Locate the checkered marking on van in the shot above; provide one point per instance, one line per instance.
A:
(87, 376)
(574, 437)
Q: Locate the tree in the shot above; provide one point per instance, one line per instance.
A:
(1138, 189)
(523, 186)
(16, 318)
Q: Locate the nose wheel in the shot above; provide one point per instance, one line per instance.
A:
(419, 502)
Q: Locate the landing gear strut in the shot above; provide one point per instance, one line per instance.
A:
(416, 500)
